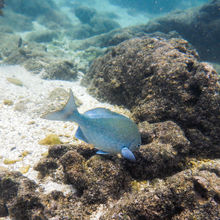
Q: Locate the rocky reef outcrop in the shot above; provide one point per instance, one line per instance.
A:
(162, 80)
(108, 187)
(199, 26)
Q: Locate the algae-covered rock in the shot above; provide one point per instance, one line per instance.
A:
(15, 22)
(84, 14)
(46, 166)
(185, 195)
(162, 80)
(18, 198)
(64, 70)
(42, 36)
(160, 191)
(163, 152)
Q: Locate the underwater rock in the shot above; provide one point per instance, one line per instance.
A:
(102, 25)
(30, 8)
(46, 166)
(200, 26)
(18, 196)
(92, 23)
(80, 31)
(35, 58)
(151, 6)
(42, 36)
(185, 195)
(54, 19)
(32, 56)
(119, 75)
(95, 179)
(98, 178)
(159, 191)
(84, 14)
(9, 44)
(163, 151)
(192, 24)
(162, 80)
(13, 22)
(63, 70)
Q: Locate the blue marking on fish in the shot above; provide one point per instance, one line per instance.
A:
(108, 131)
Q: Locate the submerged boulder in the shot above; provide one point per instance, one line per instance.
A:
(162, 80)
(185, 195)
(18, 196)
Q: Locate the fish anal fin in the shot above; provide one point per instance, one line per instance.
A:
(101, 152)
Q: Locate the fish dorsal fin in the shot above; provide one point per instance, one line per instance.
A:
(79, 134)
(101, 112)
(126, 153)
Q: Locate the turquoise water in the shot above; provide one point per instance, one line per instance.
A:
(57, 22)
(157, 62)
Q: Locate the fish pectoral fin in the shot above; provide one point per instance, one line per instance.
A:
(101, 152)
(79, 134)
(126, 153)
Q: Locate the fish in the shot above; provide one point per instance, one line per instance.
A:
(107, 131)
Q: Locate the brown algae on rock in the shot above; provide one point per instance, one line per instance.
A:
(50, 139)
(15, 81)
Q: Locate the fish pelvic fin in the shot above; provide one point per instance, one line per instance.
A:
(126, 153)
(101, 152)
(68, 113)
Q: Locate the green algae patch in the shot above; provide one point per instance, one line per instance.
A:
(50, 139)
(24, 169)
(25, 153)
(139, 185)
(15, 81)
(8, 161)
(8, 102)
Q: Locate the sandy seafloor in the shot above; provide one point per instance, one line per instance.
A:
(21, 125)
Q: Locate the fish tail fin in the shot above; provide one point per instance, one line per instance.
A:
(68, 113)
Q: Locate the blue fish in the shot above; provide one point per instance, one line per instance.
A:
(109, 132)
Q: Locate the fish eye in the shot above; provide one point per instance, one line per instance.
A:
(139, 145)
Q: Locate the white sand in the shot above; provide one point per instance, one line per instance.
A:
(22, 129)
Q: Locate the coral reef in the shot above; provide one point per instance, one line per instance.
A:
(162, 80)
